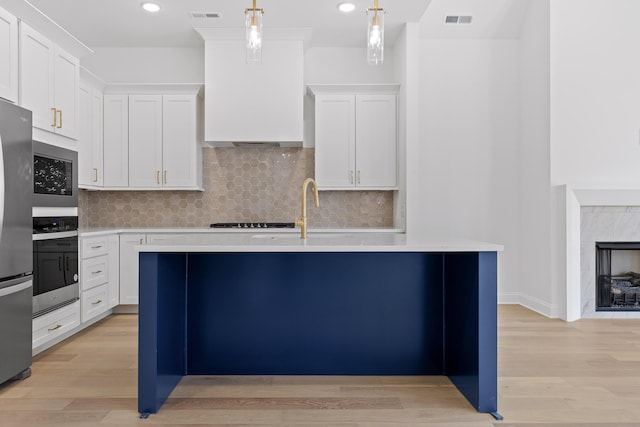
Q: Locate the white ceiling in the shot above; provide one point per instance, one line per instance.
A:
(112, 23)
(123, 23)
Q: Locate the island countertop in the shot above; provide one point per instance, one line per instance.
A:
(315, 242)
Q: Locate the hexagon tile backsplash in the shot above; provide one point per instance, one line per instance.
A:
(241, 185)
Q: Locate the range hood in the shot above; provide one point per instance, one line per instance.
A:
(254, 144)
(254, 105)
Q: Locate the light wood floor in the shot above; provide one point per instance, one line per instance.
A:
(551, 373)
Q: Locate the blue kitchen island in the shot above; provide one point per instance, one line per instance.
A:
(353, 304)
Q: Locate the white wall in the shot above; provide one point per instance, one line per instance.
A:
(595, 98)
(407, 73)
(147, 65)
(468, 148)
(323, 65)
(534, 164)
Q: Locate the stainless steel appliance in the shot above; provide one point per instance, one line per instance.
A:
(16, 262)
(253, 225)
(55, 176)
(55, 263)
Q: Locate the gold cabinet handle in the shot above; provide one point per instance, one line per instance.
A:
(60, 124)
(165, 177)
(158, 177)
(55, 117)
(55, 328)
(352, 177)
(96, 302)
(95, 174)
(358, 177)
(96, 272)
(96, 247)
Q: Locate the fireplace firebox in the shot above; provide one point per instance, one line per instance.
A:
(617, 276)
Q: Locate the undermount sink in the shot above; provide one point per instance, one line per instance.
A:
(311, 236)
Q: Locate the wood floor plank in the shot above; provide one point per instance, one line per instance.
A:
(551, 374)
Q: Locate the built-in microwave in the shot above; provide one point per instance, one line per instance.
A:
(55, 176)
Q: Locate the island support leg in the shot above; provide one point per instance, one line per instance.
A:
(470, 324)
(161, 329)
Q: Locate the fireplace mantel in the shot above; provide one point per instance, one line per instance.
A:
(575, 199)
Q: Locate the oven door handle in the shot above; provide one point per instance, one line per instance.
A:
(51, 236)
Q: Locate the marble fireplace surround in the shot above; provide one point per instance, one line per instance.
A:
(595, 215)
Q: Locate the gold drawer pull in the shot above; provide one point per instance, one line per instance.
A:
(97, 302)
(96, 247)
(55, 118)
(96, 272)
(55, 328)
(95, 171)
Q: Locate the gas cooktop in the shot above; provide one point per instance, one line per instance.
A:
(253, 225)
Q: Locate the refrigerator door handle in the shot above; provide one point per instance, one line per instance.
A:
(2, 191)
(16, 286)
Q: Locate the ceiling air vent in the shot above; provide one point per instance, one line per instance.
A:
(457, 19)
(205, 15)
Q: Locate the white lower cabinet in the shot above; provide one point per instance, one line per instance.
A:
(50, 326)
(98, 275)
(129, 267)
(94, 302)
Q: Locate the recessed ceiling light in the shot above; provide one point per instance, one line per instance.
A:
(151, 7)
(346, 7)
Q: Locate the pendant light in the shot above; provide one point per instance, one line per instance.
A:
(375, 34)
(253, 24)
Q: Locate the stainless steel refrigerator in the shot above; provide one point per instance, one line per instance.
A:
(16, 248)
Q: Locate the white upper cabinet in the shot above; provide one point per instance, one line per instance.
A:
(8, 56)
(90, 147)
(145, 141)
(356, 137)
(49, 80)
(116, 141)
(181, 154)
(153, 141)
(335, 151)
(247, 102)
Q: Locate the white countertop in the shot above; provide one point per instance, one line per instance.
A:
(89, 232)
(315, 242)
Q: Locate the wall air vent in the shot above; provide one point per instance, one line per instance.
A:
(205, 15)
(457, 19)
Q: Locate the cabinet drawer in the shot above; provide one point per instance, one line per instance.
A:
(94, 246)
(56, 323)
(94, 302)
(95, 271)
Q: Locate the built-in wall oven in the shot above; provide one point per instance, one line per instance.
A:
(55, 263)
(55, 227)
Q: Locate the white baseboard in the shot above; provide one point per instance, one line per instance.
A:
(537, 305)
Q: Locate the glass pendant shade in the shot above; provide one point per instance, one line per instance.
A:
(375, 36)
(253, 24)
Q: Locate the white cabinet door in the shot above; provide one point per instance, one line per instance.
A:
(179, 141)
(335, 141)
(66, 79)
(90, 163)
(8, 56)
(36, 77)
(49, 80)
(114, 270)
(97, 155)
(145, 141)
(85, 147)
(116, 141)
(376, 161)
(129, 267)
